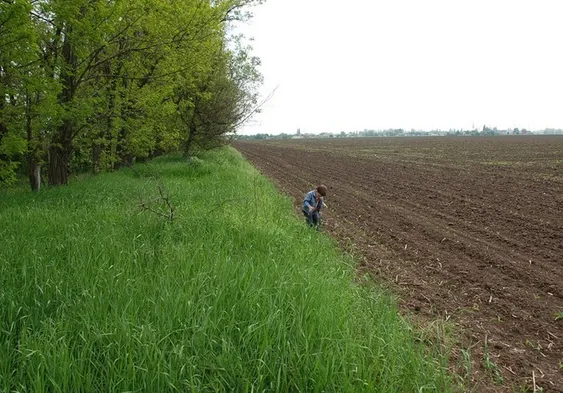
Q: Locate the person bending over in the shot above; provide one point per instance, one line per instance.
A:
(312, 205)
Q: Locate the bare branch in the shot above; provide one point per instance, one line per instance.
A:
(168, 212)
(257, 108)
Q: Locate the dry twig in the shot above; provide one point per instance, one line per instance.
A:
(166, 212)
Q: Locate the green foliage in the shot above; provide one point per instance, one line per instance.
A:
(234, 294)
(97, 84)
(8, 172)
(12, 145)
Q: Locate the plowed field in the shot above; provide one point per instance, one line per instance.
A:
(469, 230)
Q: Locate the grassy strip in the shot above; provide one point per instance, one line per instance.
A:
(235, 294)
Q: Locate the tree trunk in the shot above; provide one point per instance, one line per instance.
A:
(59, 155)
(189, 142)
(192, 129)
(33, 167)
(3, 128)
(96, 156)
(61, 145)
(34, 175)
(3, 131)
(57, 170)
(119, 148)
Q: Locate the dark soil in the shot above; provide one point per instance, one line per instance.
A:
(468, 230)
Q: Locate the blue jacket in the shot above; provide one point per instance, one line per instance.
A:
(311, 200)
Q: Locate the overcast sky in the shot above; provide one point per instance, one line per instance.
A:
(422, 64)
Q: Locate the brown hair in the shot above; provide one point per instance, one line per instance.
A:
(321, 189)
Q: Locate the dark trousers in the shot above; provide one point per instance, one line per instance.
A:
(313, 218)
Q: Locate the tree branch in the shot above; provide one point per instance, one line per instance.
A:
(41, 17)
(256, 109)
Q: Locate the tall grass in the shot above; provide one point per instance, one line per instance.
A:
(235, 294)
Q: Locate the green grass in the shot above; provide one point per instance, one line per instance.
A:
(235, 294)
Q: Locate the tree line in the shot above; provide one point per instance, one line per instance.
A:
(97, 84)
(399, 132)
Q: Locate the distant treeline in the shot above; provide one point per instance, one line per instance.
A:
(399, 132)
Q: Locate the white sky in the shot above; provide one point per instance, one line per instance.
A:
(422, 64)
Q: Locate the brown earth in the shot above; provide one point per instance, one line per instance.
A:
(466, 230)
